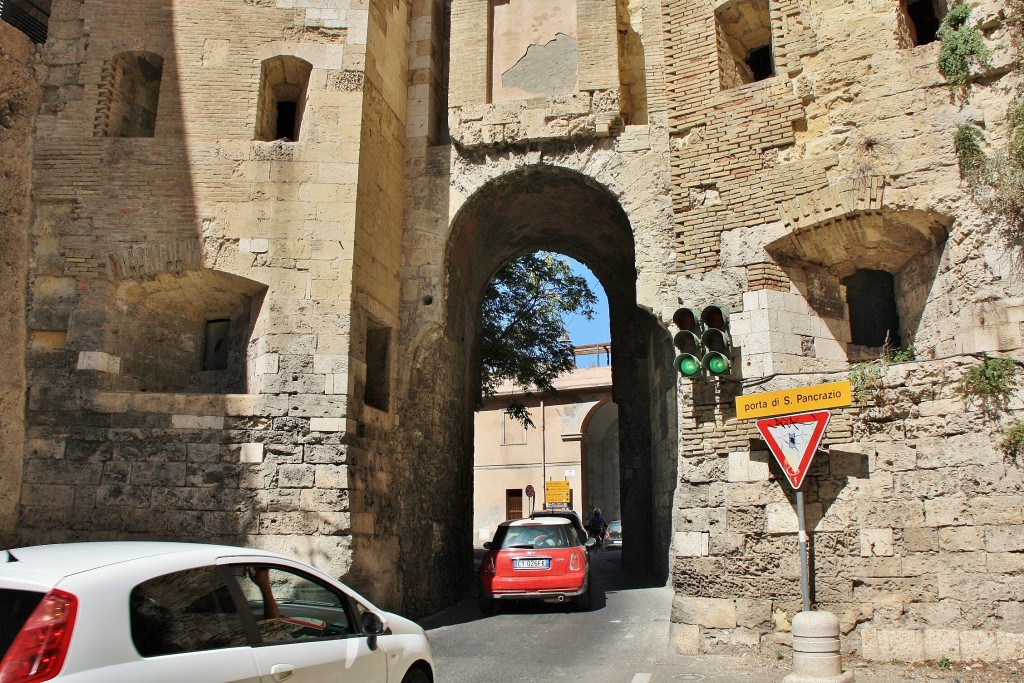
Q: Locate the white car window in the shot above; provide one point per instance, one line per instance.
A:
(186, 611)
(292, 606)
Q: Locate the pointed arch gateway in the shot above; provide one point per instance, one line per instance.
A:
(543, 207)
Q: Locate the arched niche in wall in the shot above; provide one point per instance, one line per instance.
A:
(846, 239)
(284, 80)
(129, 95)
(183, 331)
(744, 34)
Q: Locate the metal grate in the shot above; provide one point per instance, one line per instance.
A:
(28, 17)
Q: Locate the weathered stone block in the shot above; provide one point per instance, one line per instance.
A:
(705, 612)
(1004, 539)
(295, 476)
(686, 638)
(748, 466)
(941, 643)
(900, 644)
(979, 645)
(876, 543)
(691, 544)
(1009, 645)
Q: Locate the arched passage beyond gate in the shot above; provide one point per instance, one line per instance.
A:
(553, 209)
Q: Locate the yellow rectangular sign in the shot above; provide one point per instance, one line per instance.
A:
(556, 491)
(799, 400)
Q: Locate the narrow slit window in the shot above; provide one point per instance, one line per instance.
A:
(215, 354)
(377, 392)
(284, 81)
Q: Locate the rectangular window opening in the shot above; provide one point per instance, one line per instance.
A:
(215, 354)
(286, 120)
(377, 392)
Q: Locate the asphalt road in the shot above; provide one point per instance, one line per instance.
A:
(624, 639)
(621, 640)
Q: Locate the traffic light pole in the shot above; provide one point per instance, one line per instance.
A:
(805, 583)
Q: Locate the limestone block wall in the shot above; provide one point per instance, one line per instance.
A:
(914, 517)
(21, 95)
(140, 241)
(841, 160)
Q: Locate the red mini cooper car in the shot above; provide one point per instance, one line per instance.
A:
(535, 559)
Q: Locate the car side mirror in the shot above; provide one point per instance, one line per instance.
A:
(591, 542)
(487, 545)
(373, 624)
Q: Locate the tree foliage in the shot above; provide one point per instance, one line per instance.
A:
(522, 334)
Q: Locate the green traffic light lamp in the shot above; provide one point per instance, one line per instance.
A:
(687, 365)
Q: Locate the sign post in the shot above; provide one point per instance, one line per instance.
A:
(530, 493)
(793, 440)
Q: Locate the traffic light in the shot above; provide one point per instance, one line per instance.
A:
(715, 341)
(687, 341)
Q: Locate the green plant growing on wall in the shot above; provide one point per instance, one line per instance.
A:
(989, 383)
(961, 47)
(996, 181)
(1013, 442)
(969, 155)
(866, 381)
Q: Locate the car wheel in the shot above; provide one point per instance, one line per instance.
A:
(416, 675)
(585, 601)
(487, 606)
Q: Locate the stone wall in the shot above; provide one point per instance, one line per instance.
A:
(19, 97)
(348, 266)
(841, 161)
(139, 242)
(915, 522)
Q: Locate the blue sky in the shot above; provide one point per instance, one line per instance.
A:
(583, 331)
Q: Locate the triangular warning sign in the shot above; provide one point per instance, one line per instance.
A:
(793, 440)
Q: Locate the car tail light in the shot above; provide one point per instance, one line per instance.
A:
(575, 562)
(38, 651)
(486, 567)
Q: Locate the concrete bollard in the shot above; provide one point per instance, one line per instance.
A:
(816, 650)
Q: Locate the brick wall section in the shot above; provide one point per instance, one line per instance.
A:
(598, 45)
(469, 73)
(721, 140)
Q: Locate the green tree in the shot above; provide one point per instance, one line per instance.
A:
(523, 311)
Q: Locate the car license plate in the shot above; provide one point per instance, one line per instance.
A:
(531, 564)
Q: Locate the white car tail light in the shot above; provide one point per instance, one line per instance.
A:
(38, 651)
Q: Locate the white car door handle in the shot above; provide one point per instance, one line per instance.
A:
(281, 672)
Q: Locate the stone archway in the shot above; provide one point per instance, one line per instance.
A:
(533, 207)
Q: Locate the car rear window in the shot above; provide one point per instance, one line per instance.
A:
(539, 536)
(15, 608)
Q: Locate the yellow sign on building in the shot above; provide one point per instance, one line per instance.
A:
(799, 400)
(557, 492)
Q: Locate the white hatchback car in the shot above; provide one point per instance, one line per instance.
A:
(190, 613)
